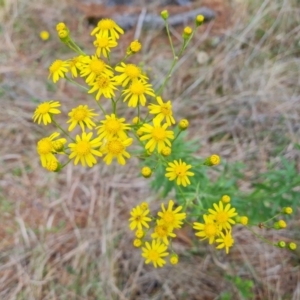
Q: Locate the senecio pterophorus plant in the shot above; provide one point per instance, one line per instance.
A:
(108, 135)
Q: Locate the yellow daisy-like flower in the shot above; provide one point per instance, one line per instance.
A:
(162, 110)
(45, 111)
(223, 216)
(46, 148)
(75, 64)
(58, 69)
(113, 127)
(139, 218)
(83, 116)
(116, 148)
(109, 28)
(130, 72)
(103, 45)
(209, 230)
(162, 232)
(154, 253)
(171, 218)
(82, 150)
(157, 135)
(180, 171)
(226, 241)
(136, 93)
(104, 85)
(92, 67)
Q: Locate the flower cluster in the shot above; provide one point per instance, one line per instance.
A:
(162, 227)
(92, 134)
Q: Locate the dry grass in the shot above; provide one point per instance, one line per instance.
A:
(65, 236)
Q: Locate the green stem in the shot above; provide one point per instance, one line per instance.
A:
(76, 48)
(272, 218)
(259, 236)
(74, 82)
(177, 135)
(66, 163)
(100, 106)
(58, 126)
(170, 39)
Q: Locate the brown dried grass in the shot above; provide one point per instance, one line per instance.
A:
(65, 236)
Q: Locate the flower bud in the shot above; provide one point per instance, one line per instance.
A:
(244, 220)
(53, 165)
(135, 120)
(61, 26)
(137, 243)
(174, 259)
(225, 199)
(199, 20)
(164, 14)
(139, 234)
(287, 210)
(213, 160)
(44, 35)
(183, 124)
(135, 46)
(144, 205)
(292, 246)
(281, 244)
(146, 172)
(187, 31)
(166, 151)
(281, 224)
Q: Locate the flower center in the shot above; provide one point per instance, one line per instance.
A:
(137, 88)
(168, 217)
(106, 24)
(132, 71)
(228, 241)
(138, 218)
(180, 171)
(153, 255)
(80, 114)
(43, 108)
(44, 146)
(97, 66)
(158, 134)
(210, 230)
(83, 148)
(115, 147)
(161, 231)
(113, 126)
(103, 82)
(56, 66)
(102, 42)
(165, 109)
(221, 217)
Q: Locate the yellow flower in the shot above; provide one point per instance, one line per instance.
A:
(83, 116)
(75, 64)
(45, 111)
(113, 127)
(154, 253)
(209, 230)
(104, 85)
(162, 110)
(44, 35)
(162, 232)
(135, 46)
(103, 45)
(130, 72)
(157, 135)
(180, 171)
(136, 93)
(171, 218)
(109, 28)
(46, 148)
(139, 218)
(92, 67)
(82, 150)
(223, 216)
(226, 241)
(58, 69)
(116, 148)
